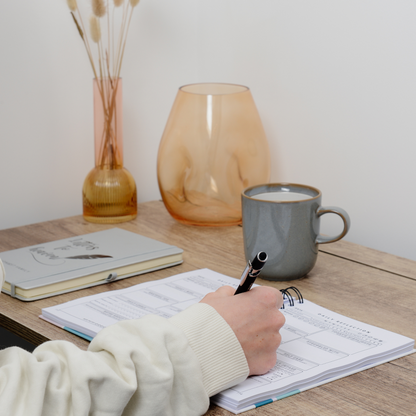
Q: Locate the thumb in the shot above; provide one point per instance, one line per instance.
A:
(225, 291)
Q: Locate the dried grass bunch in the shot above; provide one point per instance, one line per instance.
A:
(106, 60)
(110, 51)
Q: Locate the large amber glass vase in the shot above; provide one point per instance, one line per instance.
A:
(213, 147)
(109, 191)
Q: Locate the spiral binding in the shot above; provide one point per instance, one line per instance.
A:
(287, 295)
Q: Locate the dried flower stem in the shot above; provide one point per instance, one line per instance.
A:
(120, 39)
(124, 44)
(84, 38)
(107, 76)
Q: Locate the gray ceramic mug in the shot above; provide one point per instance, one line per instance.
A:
(283, 220)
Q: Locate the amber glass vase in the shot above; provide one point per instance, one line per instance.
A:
(213, 147)
(109, 191)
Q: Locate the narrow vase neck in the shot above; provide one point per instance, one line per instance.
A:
(108, 123)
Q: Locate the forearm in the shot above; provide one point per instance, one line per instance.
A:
(150, 366)
(221, 358)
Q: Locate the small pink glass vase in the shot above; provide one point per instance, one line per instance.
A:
(213, 147)
(109, 192)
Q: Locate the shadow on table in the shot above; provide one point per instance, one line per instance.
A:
(8, 339)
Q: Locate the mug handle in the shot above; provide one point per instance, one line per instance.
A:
(345, 218)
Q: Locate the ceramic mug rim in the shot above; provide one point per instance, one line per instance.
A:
(281, 184)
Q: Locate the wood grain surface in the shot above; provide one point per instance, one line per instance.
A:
(364, 284)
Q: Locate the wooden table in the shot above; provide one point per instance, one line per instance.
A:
(365, 284)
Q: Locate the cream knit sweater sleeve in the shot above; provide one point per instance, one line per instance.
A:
(150, 366)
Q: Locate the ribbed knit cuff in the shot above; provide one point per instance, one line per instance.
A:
(222, 359)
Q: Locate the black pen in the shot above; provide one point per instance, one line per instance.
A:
(250, 273)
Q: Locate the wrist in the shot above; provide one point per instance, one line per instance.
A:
(222, 359)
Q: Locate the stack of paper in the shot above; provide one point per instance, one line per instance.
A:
(318, 345)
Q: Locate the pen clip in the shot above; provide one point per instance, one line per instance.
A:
(246, 273)
(251, 272)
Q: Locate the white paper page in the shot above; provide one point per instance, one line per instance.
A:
(316, 341)
(164, 297)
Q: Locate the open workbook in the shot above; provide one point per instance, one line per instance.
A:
(318, 345)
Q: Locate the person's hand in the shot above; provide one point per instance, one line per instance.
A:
(255, 318)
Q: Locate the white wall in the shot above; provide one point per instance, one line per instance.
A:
(334, 82)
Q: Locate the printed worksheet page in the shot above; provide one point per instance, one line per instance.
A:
(164, 297)
(317, 344)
